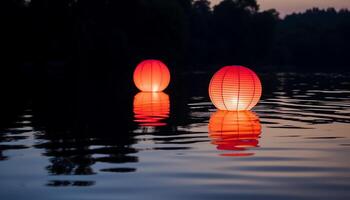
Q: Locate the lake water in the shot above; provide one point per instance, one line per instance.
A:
(295, 144)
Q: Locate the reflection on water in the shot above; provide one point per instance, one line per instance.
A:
(234, 131)
(12, 138)
(151, 108)
(294, 145)
(75, 155)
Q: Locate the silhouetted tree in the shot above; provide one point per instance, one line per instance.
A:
(200, 35)
(14, 51)
(315, 39)
(239, 30)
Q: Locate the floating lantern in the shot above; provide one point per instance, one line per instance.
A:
(151, 108)
(235, 88)
(236, 131)
(151, 76)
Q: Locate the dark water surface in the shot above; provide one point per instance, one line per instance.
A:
(294, 145)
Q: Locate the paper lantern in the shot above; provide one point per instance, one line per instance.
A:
(234, 130)
(151, 76)
(151, 108)
(235, 88)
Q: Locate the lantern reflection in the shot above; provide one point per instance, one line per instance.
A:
(151, 108)
(235, 131)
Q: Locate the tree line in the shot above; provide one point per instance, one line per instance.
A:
(92, 38)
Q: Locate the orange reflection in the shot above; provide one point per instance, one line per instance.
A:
(235, 131)
(151, 108)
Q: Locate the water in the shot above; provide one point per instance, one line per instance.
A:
(294, 145)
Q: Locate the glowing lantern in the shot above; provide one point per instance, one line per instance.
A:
(235, 131)
(151, 108)
(235, 88)
(151, 76)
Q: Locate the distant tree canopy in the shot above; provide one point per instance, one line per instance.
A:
(241, 33)
(314, 39)
(187, 34)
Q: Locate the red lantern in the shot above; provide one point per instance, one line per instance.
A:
(234, 130)
(151, 108)
(151, 76)
(235, 88)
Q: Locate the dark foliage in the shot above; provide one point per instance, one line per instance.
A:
(77, 39)
(317, 39)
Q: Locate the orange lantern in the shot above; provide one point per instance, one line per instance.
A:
(235, 88)
(234, 130)
(151, 108)
(151, 76)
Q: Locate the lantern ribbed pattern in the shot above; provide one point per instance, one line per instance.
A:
(234, 130)
(235, 88)
(151, 108)
(151, 76)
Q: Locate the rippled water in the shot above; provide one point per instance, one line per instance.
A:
(294, 145)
